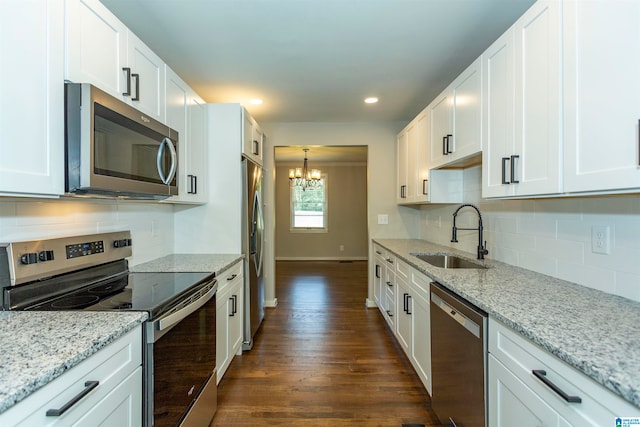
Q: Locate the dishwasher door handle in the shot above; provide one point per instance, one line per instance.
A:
(463, 320)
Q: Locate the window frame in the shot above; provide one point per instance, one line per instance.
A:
(325, 212)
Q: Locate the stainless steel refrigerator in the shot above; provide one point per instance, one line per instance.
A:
(252, 247)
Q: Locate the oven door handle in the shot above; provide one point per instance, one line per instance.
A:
(173, 318)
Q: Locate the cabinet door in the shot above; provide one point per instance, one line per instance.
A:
(538, 101)
(223, 312)
(147, 78)
(235, 319)
(378, 276)
(403, 317)
(121, 407)
(441, 133)
(32, 101)
(498, 116)
(402, 163)
(421, 329)
(257, 143)
(422, 153)
(601, 43)
(96, 46)
(512, 403)
(467, 113)
(176, 118)
(197, 150)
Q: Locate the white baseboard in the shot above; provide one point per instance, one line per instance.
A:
(322, 258)
(271, 303)
(370, 303)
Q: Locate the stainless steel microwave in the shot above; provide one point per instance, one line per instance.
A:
(112, 149)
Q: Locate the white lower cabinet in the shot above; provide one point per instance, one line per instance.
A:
(116, 399)
(404, 303)
(518, 397)
(229, 315)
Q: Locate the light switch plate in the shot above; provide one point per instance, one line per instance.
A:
(383, 219)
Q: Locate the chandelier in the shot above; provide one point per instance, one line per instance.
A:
(304, 177)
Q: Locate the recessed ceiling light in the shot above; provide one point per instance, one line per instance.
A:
(256, 101)
(371, 100)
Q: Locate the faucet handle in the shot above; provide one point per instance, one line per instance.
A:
(484, 248)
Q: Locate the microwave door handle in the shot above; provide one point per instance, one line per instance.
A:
(172, 171)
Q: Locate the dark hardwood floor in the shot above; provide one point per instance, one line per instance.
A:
(321, 358)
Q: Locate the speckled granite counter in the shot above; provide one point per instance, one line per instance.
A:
(37, 347)
(595, 332)
(208, 263)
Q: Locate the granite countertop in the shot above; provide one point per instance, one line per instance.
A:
(595, 332)
(207, 263)
(37, 347)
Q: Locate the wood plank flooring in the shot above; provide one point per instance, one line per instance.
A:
(321, 358)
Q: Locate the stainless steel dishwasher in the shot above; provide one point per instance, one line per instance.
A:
(458, 358)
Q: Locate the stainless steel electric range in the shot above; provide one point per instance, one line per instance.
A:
(91, 272)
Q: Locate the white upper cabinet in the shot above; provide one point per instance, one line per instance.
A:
(456, 118)
(522, 107)
(601, 64)
(252, 138)
(101, 50)
(32, 101)
(413, 159)
(185, 112)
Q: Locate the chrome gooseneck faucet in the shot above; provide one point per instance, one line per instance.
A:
(482, 249)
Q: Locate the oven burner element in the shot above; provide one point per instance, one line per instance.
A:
(107, 288)
(77, 301)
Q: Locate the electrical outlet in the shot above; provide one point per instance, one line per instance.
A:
(341, 248)
(601, 239)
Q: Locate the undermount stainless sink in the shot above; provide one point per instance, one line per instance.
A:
(448, 261)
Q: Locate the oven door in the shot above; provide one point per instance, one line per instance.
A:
(181, 363)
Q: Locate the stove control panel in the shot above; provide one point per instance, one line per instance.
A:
(83, 249)
(27, 261)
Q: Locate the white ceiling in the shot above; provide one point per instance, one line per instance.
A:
(316, 60)
(321, 154)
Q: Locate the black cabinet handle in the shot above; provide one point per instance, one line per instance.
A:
(190, 190)
(425, 187)
(256, 147)
(233, 276)
(404, 302)
(389, 284)
(448, 145)
(389, 260)
(513, 169)
(389, 313)
(234, 305)
(88, 386)
(542, 376)
(408, 305)
(137, 77)
(377, 271)
(127, 71)
(504, 170)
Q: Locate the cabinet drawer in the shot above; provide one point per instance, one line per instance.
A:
(230, 276)
(110, 366)
(420, 284)
(403, 269)
(598, 405)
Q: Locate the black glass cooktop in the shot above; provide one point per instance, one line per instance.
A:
(151, 292)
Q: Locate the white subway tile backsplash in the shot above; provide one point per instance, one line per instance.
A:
(627, 285)
(151, 224)
(553, 236)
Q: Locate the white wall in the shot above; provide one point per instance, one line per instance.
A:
(549, 236)
(380, 138)
(151, 224)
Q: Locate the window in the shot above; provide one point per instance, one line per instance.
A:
(309, 207)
